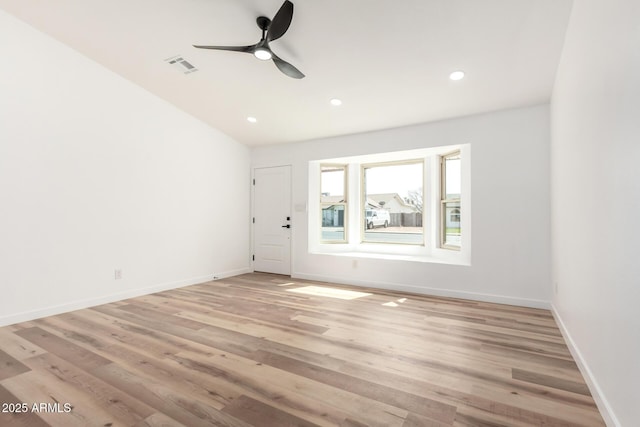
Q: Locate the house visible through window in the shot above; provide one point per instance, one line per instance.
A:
(333, 203)
(455, 216)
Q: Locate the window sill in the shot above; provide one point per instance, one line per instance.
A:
(454, 258)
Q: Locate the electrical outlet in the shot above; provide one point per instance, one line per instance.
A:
(117, 274)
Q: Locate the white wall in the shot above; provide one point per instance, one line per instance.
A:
(510, 202)
(97, 174)
(596, 200)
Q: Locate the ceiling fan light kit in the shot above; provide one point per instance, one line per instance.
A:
(262, 54)
(271, 30)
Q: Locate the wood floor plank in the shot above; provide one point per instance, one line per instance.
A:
(66, 350)
(545, 412)
(247, 351)
(517, 356)
(158, 419)
(159, 316)
(10, 366)
(551, 381)
(415, 420)
(18, 347)
(257, 413)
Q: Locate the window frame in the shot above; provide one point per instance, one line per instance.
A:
(444, 200)
(363, 198)
(344, 203)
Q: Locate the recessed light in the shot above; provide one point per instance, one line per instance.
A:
(457, 75)
(251, 119)
(336, 102)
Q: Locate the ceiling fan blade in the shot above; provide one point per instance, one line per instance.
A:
(286, 68)
(248, 49)
(280, 23)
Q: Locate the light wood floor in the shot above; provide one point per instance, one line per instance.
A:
(249, 351)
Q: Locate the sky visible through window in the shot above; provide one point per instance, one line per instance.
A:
(453, 177)
(332, 183)
(392, 179)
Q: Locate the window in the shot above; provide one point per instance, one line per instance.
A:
(392, 202)
(402, 205)
(450, 230)
(333, 203)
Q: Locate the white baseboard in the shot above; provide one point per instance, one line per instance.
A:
(598, 396)
(499, 299)
(118, 296)
(232, 273)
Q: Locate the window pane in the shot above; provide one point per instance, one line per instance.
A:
(451, 212)
(333, 223)
(451, 223)
(332, 182)
(452, 177)
(333, 202)
(393, 197)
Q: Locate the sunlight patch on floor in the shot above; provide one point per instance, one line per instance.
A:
(322, 291)
(394, 304)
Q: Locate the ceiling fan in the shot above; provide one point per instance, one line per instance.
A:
(271, 30)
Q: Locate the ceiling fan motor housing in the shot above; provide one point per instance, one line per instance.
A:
(263, 22)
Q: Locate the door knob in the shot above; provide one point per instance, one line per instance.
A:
(286, 226)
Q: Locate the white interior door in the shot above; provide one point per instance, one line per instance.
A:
(272, 220)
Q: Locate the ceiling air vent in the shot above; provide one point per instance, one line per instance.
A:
(181, 64)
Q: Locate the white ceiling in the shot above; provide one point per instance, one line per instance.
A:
(388, 61)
